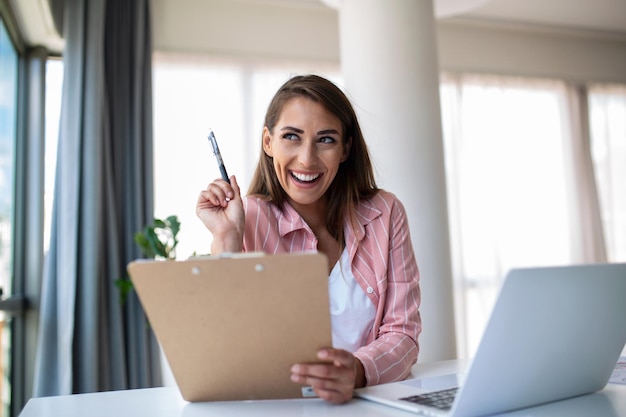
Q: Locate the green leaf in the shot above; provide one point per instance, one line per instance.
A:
(142, 240)
(157, 247)
(125, 285)
(174, 225)
(157, 240)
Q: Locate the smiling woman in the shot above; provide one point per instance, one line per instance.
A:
(314, 190)
(306, 160)
(192, 94)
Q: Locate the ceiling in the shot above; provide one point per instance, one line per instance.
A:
(590, 15)
(594, 15)
(603, 16)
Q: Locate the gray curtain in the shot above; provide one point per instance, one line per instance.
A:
(88, 340)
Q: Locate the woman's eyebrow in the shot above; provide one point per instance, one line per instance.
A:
(295, 129)
(321, 132)
(328, 131)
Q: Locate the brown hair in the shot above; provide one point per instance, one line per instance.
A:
(355, 177)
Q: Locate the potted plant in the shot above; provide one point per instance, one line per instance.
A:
(156, 241)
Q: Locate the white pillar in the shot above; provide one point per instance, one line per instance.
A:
(390, 67)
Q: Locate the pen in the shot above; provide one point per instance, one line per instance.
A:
(218, 156)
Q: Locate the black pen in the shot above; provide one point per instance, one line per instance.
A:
(218, 156)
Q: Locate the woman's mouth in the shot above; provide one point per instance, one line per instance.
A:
(305, 178)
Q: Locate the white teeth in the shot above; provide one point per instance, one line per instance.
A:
(305, 177)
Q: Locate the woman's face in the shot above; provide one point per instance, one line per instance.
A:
(307, 148)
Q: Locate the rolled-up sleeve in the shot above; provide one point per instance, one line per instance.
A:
(393, 346)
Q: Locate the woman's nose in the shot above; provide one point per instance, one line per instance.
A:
(308, 154)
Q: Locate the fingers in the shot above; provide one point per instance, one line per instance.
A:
(235, 187)
(332, 381)
(220, 208)
(219, 193)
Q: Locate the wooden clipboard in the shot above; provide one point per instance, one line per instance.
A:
(231, 327)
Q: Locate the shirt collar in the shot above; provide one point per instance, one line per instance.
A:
(366, 212)
(290, 221)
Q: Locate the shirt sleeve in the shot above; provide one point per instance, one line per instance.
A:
(390, 356)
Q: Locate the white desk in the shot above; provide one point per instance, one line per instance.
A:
(167, 402)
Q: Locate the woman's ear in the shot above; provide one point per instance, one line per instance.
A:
(346, 149)
(267, 142)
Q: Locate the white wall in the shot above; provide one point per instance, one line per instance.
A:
(309, 31)
(246, 28)
(532, 51)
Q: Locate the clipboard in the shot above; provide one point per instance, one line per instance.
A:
(231, 327)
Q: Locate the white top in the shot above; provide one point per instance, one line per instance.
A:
(352, 313)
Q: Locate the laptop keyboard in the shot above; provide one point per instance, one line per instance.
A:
(439, 399)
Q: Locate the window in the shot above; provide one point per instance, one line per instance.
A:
(8, 117)
(193, 94)
(54, 86)
(509, 171)
(607, 114)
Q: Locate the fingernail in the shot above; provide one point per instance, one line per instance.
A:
(322, 354)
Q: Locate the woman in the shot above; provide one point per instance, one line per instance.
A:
(314, 189)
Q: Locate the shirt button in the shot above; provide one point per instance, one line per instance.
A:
(370, 290)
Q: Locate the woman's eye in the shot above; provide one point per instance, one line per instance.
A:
(327, 139)
(290, 136)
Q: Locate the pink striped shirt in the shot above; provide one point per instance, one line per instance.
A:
(382, 262)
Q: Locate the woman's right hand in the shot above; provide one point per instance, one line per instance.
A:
(220, 208)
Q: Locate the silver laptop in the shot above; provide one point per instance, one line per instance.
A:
(554, 333)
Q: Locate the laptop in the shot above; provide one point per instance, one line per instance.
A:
(231, 327)
(554, 333)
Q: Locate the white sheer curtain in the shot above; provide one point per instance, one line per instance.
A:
(229, 95)
(607, 109)
(520, 183)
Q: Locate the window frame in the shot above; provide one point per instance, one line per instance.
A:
(27, 220)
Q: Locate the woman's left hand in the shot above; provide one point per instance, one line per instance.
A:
(333, 381)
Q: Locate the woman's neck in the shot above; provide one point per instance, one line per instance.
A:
(313, 214)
